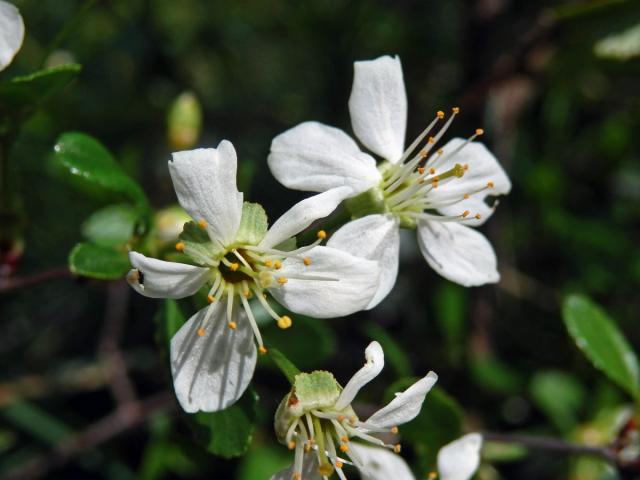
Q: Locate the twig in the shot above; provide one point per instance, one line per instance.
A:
(114, 424)
(109, 351)
(13, 283)
(552, 444)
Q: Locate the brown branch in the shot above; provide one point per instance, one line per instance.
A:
(552, 445)
(124, 418)
(13, 283)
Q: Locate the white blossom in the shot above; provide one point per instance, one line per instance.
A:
(439, 191)
(240, 260)
(11, 33)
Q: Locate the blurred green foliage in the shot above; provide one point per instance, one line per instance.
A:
(554, 84)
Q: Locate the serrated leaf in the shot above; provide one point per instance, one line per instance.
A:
(227, 433)
(95, 261)
(600, 339)
(22, 95)
(87, 165)
(111, 226)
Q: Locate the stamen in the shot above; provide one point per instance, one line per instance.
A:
(180, 246)
(478, 216)
(321, 234)
(268, 263)
(242, 259)
(211, 298)
(262, 350)
(414, 144)
(397, 447)
(306, 261)
(284, 322)
(277, 264)
(394, 430)
(489, 184)
(201, 332)
(232, 325)
(234, 266)
(202, 224)
(282, 280)
(252, 322)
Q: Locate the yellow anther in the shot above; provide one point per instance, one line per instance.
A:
(466, 213)
(202, 223)
(397, 447)
(440, 114)
(344, 448)
(282, 280)
(432, 171)
(479, 131)
(321, 234)
(180, 246)
(478, 216)
(277, 265)
(306, 261)
(211, 298)
(431, 141)
(394, 430)
(339, 464)
(420, 170)
(344, 439)
(325, 470)
(440, 151)
(432, 475)
(352, 420)
(201, 332)
(422, 153)
(466, 196)
(307, 446)
(421, 181)
(234, 266)
(466, 167)
(232, 325)
(284, 322)
(268, 263)
(456, 110)
(489, 184)
(262, 350)
(340, 418)
(247, 294)
(297, 476)
(291, 445)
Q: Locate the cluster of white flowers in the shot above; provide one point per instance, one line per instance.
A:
(240, 261)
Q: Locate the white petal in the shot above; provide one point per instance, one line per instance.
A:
(405, 406)
(374, 362)
(460, 459)
(458, 253)
(205, 182)
(315, 157)
(483, 168)
(303, 214)
(381, 464)
(374, 237)
(309, 470)
(378, 106)
(212, 371)
(11, 33)
(159, 279)
(340, 283)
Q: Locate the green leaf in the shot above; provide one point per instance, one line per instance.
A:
(495, 375)
(599, 338)
(439, 422)
(227, 433)
(95, 261)
(253, 224)
(88, 166)
(263, 462)
(20, 96)
(393, 352)
(32, 419)
(111, 226)
(450, 302)
(560, 396)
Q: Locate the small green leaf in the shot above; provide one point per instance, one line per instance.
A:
(111, 226)
(87, 165)
(253, 225)
(32, 419)
(560, 396)
(227, 433)
(439, 422)
(95, 261)
(20, 96)
(600, 339)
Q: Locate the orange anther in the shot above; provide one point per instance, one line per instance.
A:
(201, 332)
(180, 246)
(232, 325)
(306, 261)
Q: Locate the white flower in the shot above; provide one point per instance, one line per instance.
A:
(213, 355)
(457, 460)
(11, 33)
(440, 193)
(317, 415)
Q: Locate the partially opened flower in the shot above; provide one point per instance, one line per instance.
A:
(11, 33)
(457, 460)
(439, 191)
(238, 258)
(317, 421)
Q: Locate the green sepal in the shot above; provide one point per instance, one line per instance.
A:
(197, 242)
(253, 224)
(318, 389)
(367, 203)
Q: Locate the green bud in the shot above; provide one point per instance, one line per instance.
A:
(184, 121)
